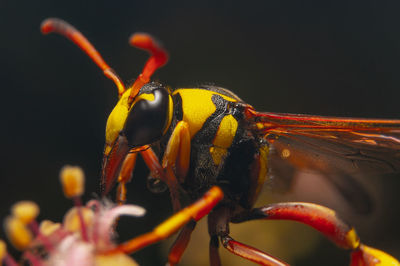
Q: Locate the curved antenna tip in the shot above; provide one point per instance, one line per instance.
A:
(48, 25)
(45, 26)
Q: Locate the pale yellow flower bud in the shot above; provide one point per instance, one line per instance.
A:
(73, 181)
(25, 211)
(72, 222)
(17, 232)
(48, 227)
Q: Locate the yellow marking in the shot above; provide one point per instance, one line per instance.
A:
(117, 118)
(226, 132)
(197, 106)
(146, 96)
(223, 138)
(352, 239)
(218, 154)
(170, 113)
(262, 174)
(202, 91)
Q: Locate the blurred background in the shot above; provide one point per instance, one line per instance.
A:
(336, 58)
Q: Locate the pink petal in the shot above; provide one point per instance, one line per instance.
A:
(107, 220)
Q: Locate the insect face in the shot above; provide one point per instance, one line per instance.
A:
(135, 125)
(144, 121)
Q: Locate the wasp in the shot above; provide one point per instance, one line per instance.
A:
(213, 151)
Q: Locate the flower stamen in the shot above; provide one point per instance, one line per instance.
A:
(73, 182)
(17, 232)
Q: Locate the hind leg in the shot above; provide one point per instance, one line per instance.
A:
(326, 222)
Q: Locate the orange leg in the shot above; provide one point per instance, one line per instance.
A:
(125, 176)
(177, 153)
(167, 176)
(326, 222)
(176, 156)
(181, 243)
(195, 212)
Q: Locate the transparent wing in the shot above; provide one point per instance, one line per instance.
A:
(345, 151)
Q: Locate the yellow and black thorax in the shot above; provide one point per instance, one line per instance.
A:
(224, 151)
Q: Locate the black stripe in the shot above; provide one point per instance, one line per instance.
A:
(178, 112)
(210, 127)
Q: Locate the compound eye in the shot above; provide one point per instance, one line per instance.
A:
(148, 117)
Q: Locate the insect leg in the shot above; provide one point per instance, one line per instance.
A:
(180, 244)
(218, 226)
(326, 222)
(213, 250)
(176, 156)
(195, 212)
(168, 176)
(177, 153)
(125, 176)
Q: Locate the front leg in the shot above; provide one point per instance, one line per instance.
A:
(326, 222)
(176, 160)
(177, 153)
(125, 176)
(193, 212)
(175, 164)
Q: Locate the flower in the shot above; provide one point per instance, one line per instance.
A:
(83, 238)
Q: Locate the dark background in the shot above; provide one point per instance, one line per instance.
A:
(318, 57)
